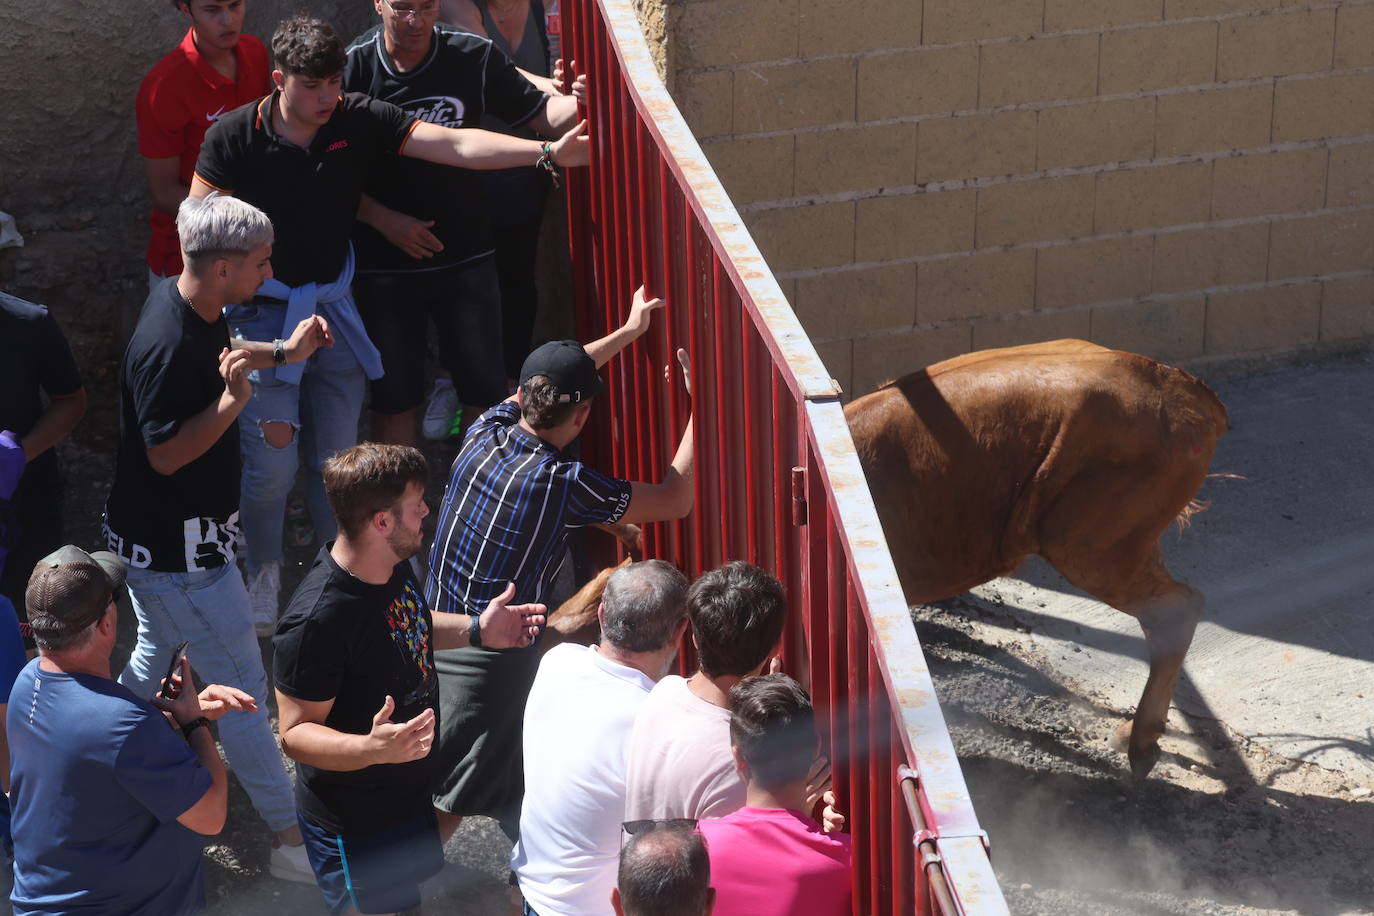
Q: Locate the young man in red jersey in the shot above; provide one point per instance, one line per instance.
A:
(215, 69)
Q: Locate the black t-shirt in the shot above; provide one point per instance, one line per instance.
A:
(34, 357)
(187, 520)
(311, 195)
(356, 643)
(464, 77)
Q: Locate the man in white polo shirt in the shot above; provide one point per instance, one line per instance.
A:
(577, 727)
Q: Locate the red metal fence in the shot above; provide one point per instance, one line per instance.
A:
(777, 479)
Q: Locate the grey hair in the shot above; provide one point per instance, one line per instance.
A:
(642, 605)
(665, 871)
(218, 225)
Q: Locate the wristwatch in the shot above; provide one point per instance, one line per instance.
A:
(279, 352)
(192, 726)
(475, 632)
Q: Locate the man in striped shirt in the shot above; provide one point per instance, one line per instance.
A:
(511, 500)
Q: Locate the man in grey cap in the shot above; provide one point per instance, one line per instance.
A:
(111, 792)
(513, 496)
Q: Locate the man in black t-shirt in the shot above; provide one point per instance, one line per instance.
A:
(356, 687)
(426, 249)
(172, 513)
(303, 155)
(34, 361)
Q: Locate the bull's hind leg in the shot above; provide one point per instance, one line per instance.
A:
(1136, 582)
(1168, 621)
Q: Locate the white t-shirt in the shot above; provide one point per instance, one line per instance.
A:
(577, 724)
(680, 760)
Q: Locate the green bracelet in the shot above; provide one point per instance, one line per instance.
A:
(546, 162)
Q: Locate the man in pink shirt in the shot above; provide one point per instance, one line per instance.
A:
(769, 858)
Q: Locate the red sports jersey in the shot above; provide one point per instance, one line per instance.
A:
(178, 101)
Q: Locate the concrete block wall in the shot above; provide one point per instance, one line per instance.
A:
(1182, 178)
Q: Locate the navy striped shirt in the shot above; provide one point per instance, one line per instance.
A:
(510, 501)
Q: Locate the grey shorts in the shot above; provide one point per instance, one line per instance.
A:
(480, 763)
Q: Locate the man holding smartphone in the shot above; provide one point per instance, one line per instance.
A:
(102, 788)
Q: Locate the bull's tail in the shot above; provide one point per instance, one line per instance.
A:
(1190, 508)
(1197, 504)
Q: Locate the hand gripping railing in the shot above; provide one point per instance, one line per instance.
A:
(777, 480)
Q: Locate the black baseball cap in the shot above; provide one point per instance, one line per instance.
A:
(568, 366)
(70, 589)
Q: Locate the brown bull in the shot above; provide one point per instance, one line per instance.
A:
(1081, 454)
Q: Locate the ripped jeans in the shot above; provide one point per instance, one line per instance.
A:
(323, 413)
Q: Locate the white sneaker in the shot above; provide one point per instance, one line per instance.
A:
(290, 863)
(440, 410)
(263, 592)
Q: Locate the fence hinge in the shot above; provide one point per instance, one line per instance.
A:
(798, 497)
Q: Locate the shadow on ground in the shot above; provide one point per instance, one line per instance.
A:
(1223, 826)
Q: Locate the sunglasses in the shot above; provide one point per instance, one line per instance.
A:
(635, 828)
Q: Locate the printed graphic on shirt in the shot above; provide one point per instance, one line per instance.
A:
(208, 543)
(410, 630)
(444, 110)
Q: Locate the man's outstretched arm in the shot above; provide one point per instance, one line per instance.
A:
(641, 311)
(472, 148)
(653, 502)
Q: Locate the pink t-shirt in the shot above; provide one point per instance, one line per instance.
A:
(773, 862)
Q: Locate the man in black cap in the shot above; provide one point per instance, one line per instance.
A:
(512, 497)
(109, 802)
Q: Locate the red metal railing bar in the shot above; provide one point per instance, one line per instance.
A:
(781, 481)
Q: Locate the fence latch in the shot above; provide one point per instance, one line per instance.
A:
(798, 497)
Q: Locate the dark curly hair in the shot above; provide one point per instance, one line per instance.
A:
(774, 726)
(309, 48)
(539, 403)
(737, 612)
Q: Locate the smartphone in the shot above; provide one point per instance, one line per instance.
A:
(171, 669)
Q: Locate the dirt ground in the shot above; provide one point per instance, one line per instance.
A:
(1222, 826)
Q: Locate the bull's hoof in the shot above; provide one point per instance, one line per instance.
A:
(1142, 759)
(1143, 762)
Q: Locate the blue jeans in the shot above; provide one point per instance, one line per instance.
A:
(323, 412)
(210, 610)
(377, 872)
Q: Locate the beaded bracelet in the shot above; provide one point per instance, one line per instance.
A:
(546, 162)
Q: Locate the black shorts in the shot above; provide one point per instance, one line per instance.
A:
(464, 302)
(378, 872)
